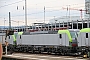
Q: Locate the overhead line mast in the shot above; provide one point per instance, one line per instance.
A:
(44, 14)
(25, 12)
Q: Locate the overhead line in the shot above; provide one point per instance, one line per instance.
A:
(37, 13)
(11, 4)
(17, 2)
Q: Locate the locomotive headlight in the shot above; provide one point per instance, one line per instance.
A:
(83, 49)
(74, 38)
(74, 42)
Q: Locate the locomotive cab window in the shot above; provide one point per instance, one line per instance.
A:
(60, 36)
(9, 37)
(86, 35)
(20, 36)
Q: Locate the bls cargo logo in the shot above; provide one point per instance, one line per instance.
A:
(1, 51)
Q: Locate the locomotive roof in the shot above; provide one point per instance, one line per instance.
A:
(67, 32)
(85, 30)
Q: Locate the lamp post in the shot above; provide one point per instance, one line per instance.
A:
(44, 14)
(69, 13)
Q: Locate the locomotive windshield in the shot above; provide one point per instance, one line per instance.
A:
(73, 34)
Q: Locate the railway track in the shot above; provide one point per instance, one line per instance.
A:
(43, 56)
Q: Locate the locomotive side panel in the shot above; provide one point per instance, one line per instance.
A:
(66, 40)
(83, 39)
(2, 39)
(42, 39)
(10, 39)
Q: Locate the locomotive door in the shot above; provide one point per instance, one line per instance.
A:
(9, 39)
(82, 40)
(63, 39)
(19, 39)
(79, 39)
(89, 38)
(60, 40)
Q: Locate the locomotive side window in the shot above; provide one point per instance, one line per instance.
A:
(20, 36)
(60, 36)
(9, 37)
(86, 35)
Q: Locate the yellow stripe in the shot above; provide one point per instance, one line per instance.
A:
(14, 37)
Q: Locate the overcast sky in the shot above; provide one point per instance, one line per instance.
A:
(35, 10)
